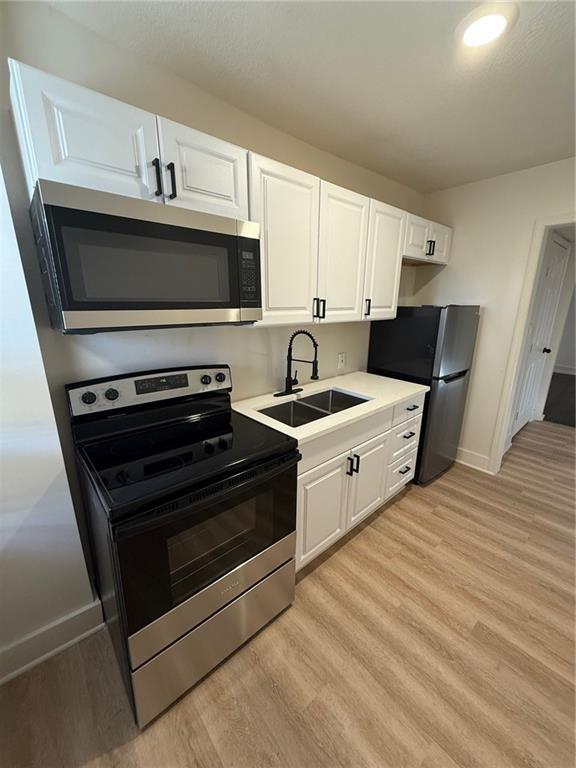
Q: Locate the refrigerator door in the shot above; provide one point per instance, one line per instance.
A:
(405, 347)
(443, 424)
(456, 338)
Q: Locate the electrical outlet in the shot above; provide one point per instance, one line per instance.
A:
(341, 360)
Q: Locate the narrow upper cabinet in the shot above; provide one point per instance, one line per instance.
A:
(285, 201)
(383, 261)
(441, 237)
(201, 172)
(70, 134)
(417, 239)
(342, 253)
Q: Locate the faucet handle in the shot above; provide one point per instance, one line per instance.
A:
(295, 379)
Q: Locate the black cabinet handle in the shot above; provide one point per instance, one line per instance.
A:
(158, 169)
(322, 314)
(172, 170)
(368, 307)
(316, 307)
(357, 463)
(403, 471)
(350, 470)
(433, 247)
(412, 407)
(409, 435)
(546, 350)
(428, 251)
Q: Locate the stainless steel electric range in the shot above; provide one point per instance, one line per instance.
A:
(192, 512)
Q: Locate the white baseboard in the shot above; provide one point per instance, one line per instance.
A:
(569, 369)
(475, 460)
(49, 640)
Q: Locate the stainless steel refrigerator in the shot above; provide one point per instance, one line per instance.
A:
(434, 346)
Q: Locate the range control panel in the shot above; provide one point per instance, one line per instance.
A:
(124, 391)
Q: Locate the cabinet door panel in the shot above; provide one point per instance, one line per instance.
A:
(211, 174)
(383, 261)
(442, 236)
(322, 501)
(71, 134)
(342, 252)
(417, 236)
(368, 485)
(286, 202)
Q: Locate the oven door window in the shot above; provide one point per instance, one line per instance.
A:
(167, 564)
(110, 262)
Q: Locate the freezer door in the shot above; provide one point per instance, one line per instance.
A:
(443, 424)
(456, 338)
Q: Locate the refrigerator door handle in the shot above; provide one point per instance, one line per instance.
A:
(453, 376)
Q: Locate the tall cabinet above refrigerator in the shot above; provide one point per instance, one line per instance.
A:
(430, 345)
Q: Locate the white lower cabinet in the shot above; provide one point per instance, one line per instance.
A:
(368, 482)
(322, 502)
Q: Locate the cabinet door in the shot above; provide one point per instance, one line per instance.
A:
(210, 174)
(322, 501)
(441, 237)
(286, 202)
(342, 252)
(368, 483)
(416, 242)
(70, 134)
(383, 261)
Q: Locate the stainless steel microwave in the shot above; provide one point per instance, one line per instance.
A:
(110, 262)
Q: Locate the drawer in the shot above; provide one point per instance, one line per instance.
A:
(408, 409)
(400, 473)
(404, 439)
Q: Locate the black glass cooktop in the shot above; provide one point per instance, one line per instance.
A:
(134, 466)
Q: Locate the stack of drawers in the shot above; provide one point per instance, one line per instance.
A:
(406, 423)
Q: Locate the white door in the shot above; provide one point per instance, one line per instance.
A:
(342, 253)
(321, 514)
(70, 134)
(540, 325)
(383, 261)
(207, 174)
(368, 483)
(286, 203)
(441, 237)
(417, 240)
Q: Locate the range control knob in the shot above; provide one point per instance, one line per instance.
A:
(88, 398)
(222, 443)
(111, 394)
(206, 379)
(208, 447)
(220, 377)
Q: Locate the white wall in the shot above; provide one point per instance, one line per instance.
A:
(45, 596)
(40, 36)
(565, 361)
(493, 222)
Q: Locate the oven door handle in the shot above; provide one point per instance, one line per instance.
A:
(199, 499)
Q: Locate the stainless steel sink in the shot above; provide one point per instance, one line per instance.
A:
(296, 413)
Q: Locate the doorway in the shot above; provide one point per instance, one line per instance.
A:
(561, 400)
(547, 318)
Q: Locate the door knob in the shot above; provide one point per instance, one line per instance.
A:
(546, 350)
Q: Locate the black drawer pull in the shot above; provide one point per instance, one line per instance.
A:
(403, 471)
(412, 407)
(409, 435)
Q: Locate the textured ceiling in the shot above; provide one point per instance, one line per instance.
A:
(386, 85)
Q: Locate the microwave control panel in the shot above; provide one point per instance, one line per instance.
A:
(249, 277)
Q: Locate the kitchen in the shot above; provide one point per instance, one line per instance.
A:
(309, 222)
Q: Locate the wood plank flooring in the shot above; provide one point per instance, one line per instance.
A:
(439, 635)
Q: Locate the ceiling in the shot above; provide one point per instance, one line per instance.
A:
(386, 85)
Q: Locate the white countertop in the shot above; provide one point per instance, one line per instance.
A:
(382, 392)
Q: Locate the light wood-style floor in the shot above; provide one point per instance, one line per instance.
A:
(440, 635)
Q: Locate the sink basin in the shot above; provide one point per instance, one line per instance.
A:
(332, 400)
(296, 413)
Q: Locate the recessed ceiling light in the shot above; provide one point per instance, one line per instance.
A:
(485, 29)
(486, 23)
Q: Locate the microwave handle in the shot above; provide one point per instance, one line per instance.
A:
(242, 482)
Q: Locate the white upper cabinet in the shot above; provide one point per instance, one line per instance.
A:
(441, 237)
(342, 253)
(383, 261)
(203, 173)
(416, 243)
(70, 134)
(285, 201)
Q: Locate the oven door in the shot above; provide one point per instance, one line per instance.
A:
(116, 272)
(180, 564)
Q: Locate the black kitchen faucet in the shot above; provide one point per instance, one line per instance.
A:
(290, 380)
